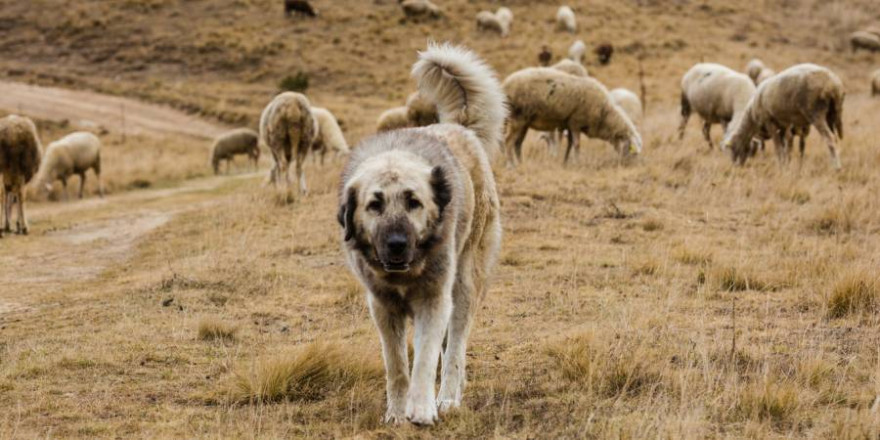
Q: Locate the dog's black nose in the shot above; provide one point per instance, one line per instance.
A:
(396, 244)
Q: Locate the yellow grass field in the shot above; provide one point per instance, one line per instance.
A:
(675, 296)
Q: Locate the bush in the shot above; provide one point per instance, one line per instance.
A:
(295, 83)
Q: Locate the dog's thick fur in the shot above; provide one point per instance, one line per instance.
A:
(287, 126)
(20, 156)
(420, 215)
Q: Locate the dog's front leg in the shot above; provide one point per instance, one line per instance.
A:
(430, 317)
(392, 332)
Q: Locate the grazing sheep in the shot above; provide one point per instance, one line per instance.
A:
(487, 21)
(875, 83)
(393, 119)
(420, 8)
(505, 15)
(873, 30)
(20, 154)
(546, 99)
(545, 56)
(754, 68)
(328, 135)
(565, 20)
(577, 51)
(604, 52)
(420, 111)
(717, 93)
(75, 153)
(864, 40)
(242, 141)
(798, 97)
(287, 128)
(570, 67)
(765, 74)
(302, 7)
(629, 102)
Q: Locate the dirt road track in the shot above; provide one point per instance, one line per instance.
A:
(84, 108)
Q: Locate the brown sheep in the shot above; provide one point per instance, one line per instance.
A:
(20, 155)
(242, 141)
(301, 7)
(864, 40)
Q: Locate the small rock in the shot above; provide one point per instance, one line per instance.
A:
(167, 302)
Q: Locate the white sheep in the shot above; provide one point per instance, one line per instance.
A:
(20, 155)
(577, 51)
(875, 83)
(487, 21)
(797, 97)
(505, 15)
(754, 68)
(420, 8)
(546, 99)
(765, 74)
(287, 128)
(76, 153)
(393, 119)
(565, 20)
(571, 67)
(629, 102)
(242, 141)
(864, 40)
(328, 135)
(717, 93)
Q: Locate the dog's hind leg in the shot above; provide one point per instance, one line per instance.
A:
(430, 318)
(454, 374)
(392, 332)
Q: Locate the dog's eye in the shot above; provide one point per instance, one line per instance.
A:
(375, 206)
(413, 204)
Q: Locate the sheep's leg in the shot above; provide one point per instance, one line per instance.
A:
(779, 143)
(300, 175)
(323, 154)
(7, 208)
(22, 224)
(574, 140)
(707, 134)
(830, 139)
(66, 194)
(516, 133)
(685, 117)
(82, 183)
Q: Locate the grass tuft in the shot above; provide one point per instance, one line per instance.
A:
(769, 401)
(311, 374)
(854, 293)
(213, 329)
(737, 280)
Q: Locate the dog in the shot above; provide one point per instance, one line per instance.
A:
(421, 229)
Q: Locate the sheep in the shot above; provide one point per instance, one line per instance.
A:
(604, 52)
(328, 134)
(864, 40)
(565, 20)
(302, 7)
(545, 56)
(873, 30)
(570, 67)
(393, 119)
(420, 8)
(75, 153)
(875, 83)
(800, 96)
(765, 74)
(717, 93)
(20, 155)
(577, 51)
(287, 128)
(629, 102)
(754, 68)
(420, 111)
(505, 15)
(242, 141)
(546, 99)
(487, 21)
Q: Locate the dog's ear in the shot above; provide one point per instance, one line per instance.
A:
(346, 213)
(441, 188)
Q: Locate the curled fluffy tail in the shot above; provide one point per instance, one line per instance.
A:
(465, 90)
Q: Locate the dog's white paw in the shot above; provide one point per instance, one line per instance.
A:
(422, 414)
(445, 405)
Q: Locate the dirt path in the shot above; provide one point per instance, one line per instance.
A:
(114, 113)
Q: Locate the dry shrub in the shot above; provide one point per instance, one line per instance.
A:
(856, 292)
(771, 401)
(604, 368)
(310, 374)
(836, 219)
(732, 279)
(214, 329)
(691, 257)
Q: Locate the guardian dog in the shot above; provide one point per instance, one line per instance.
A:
(421, 229)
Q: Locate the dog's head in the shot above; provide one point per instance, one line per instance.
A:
(392, 210)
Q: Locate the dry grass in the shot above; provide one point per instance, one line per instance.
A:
(675, 296)
(212, 329)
